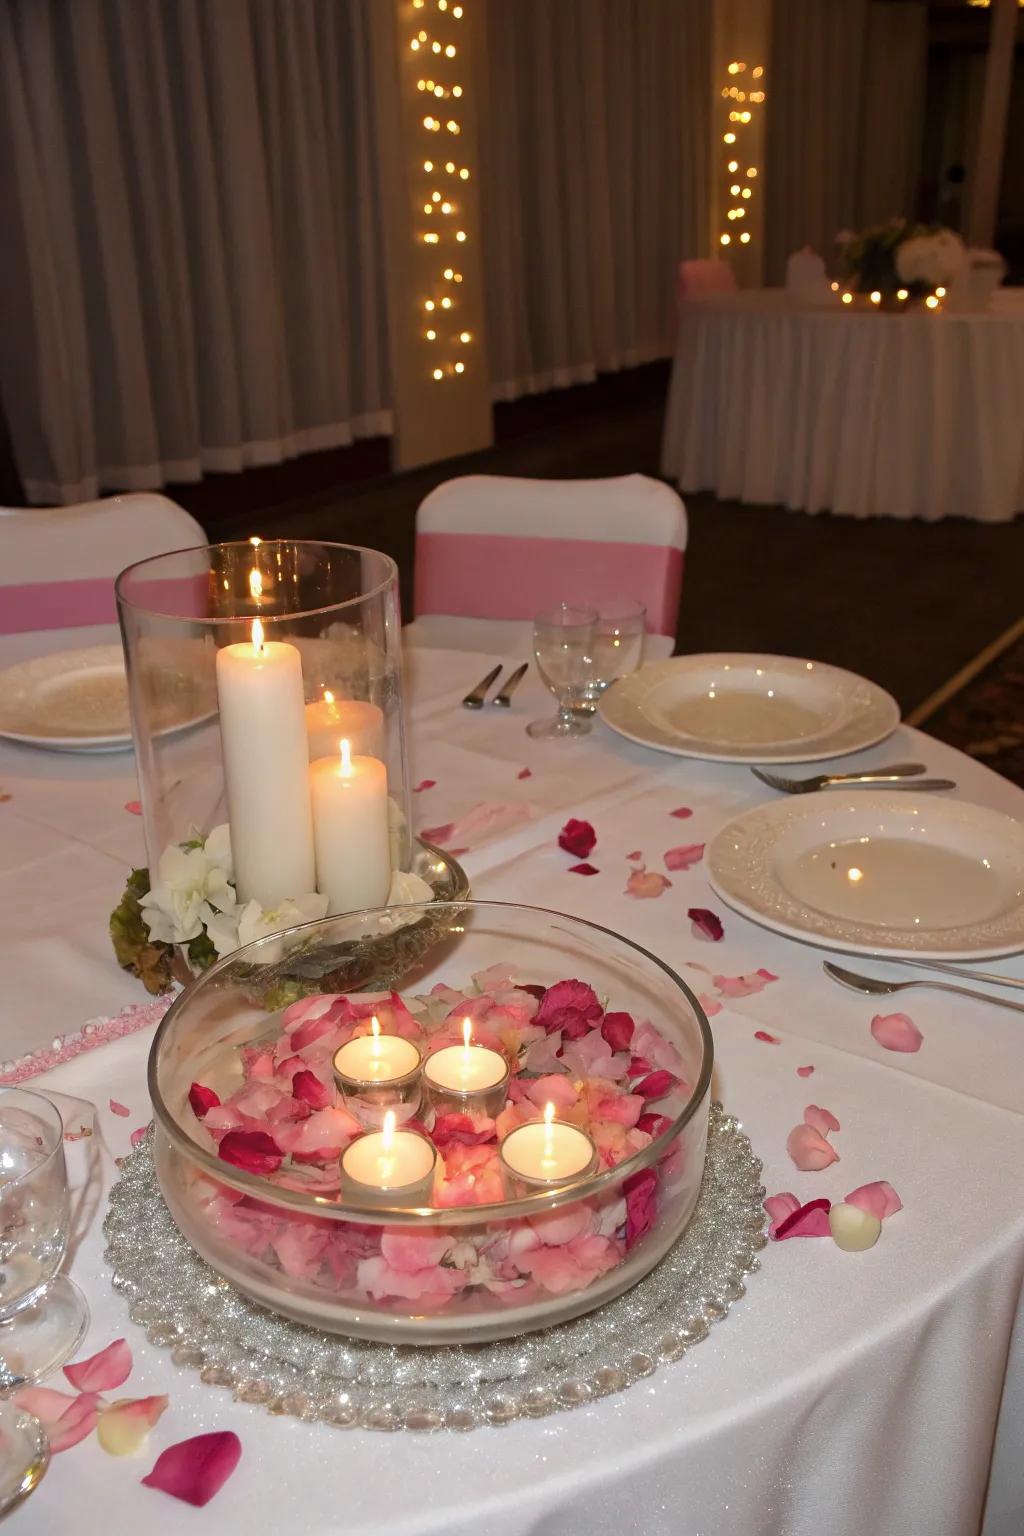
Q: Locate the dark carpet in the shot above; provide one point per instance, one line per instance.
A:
(984, 717)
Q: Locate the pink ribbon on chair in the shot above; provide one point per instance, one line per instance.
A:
(76, 604)
(497, 576)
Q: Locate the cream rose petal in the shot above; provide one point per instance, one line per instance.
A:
(124, 1427)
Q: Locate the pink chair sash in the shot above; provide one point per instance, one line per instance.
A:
(700, 279)
(497, 576)
(76, 604)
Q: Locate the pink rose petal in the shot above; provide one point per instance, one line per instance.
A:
(194, 1470)
(743, 986)
(811, 1220)
(422, 785)
(66, 1420)
(583, 869)
(525, 773)
(645, 884)
(635, 857)
(878, 1199)
(762, 1034)
(124, 1427)
(682, 812)
(684, 857)
(578, 838)
(896, 1032)
(110, 1368)
(822, 1120)
(439, 835)
(711, 1005)
(133, 807)
(809, 1149)
(705, 924)
(779, 1207)
(119, 1109)
(804, 1071)
(139, 1136)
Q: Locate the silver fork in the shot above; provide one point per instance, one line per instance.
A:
(475, 698)
(894, 775)
(503, 700)
(875, 988)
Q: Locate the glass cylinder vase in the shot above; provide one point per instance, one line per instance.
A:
(265, 686)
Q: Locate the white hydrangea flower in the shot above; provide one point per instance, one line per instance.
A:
(191, 885)
(931, 259)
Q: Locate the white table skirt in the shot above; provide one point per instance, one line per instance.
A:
(870, 414)
(862, 1392)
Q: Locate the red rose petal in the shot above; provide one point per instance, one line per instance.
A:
(109, 1368)
(653, 1123)
(252, 1151)
(804, 1071)
(308, 1089)
(811, 1220)
(578, 838)
(635, 856)
(133, 807)
(644, 884)
(896, 1032)
(202, 1100)
(194, 1470)
(617, 1029)
(423, 784)
(525, 773)
(583, 869)
(655, 1085)
(705, 924)
(119, 1109)
(682, 812)
(762, 1034)
(455, 1128)
(684, 857)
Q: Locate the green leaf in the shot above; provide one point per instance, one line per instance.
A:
(129, 934)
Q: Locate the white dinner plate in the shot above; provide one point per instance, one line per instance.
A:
(77, 701)
(878, 872)
(740, 708)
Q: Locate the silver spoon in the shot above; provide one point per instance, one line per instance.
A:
(875, 988)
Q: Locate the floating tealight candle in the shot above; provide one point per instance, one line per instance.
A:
(389, 1166)
(548, 1152)
(377, 1069)
(467, 1076)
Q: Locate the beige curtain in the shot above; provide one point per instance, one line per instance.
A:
(844, 114)
(192, 258)
(594, 183)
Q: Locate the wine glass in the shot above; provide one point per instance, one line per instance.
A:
(618, 646)
(43, 1315)
(563, 640)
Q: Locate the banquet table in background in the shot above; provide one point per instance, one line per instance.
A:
(860, 1392)
(828, 407)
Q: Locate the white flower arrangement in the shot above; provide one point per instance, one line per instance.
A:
(932, 259)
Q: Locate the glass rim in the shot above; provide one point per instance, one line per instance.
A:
(376, 1213)
(125, 601)
(7, 1089)
(621, 608)
(550, 617)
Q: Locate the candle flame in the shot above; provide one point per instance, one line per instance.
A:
(328, 696)
(549, 1113)
(375, 1048)
(346, 757)
(467, 1032)
(387, 1135)
(255, 585)
(257, 637)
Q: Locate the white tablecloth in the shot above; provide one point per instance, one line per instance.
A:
(855, 1393)
(841, 409)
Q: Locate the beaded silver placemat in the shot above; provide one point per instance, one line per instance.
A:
(264, 1358)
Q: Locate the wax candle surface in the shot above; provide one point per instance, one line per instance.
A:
(376, 1059)
(330, 719)
(266, 768)
(388, 1159)
(350, 829)
(547, 1152)
(465, 1068)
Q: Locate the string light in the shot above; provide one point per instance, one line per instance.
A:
(847, 298)
(739, 117)
(448, 274)
(875, 296)
(734, 166)
(932, 302)
(745, 237)
(940, 293)
(460, 235)
(465, 337)
(460, 367)
(901, 293)
(725, 239)
(428, 165)
(438, 374)
(729, 138)
(430, 335)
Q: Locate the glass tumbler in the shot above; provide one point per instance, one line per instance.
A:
(563, 645)
(43, 1315)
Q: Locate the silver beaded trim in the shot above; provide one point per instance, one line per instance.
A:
(263, 1358)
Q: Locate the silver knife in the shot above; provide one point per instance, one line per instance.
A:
(504, 698)
(475, 698)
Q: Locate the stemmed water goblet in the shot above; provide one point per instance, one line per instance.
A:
(618, 646)
(563, 645)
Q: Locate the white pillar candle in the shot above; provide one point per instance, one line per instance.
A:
(375, 1059)
(389, 1162)
(547, 1151)
(266, 768)
(350, 830)
(329, 719)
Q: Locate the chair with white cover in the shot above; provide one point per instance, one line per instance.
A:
(59, 563)
(492, 551)
(703, 279)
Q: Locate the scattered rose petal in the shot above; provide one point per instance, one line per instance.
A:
(896, 1032)
(852, 1228)
(779, 1207)
(124, 1427)
(810, 1220)
(481, 823)
(617, 1029)
(133, 807)
(525, 773)
(822, 1120)
(139, 1136)
(583, 869)
(684, 857)
(646, 883)
(655, 1085)
(110, 1368)
(762, 1034)
(804, 1071)
(439, 835)
(705, 924)
(202, 1100)
(252, 1151)
(682, 812)
(878, 1199)
(423, 784)
(577, 838)
(743, 986)
(711, 1005)
(119, 1109)
(66, 1420)
(5, 796)
(458, 853)
(809, 1149)
(194, 1470)
(635, 857)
